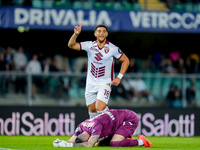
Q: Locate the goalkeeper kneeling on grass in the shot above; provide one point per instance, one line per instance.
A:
(114, 127)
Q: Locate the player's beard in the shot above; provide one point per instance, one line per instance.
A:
(102, 41)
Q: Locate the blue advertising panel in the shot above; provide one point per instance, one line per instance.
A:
(66, 19)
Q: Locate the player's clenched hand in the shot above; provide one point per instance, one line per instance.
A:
(115, 82)
(77, 29)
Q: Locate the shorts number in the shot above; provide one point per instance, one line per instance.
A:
(107, 94)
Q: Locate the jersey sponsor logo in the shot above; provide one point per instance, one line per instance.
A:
(97, 72)
(94, 49)
(106, 50)
(119, 50)
(98, 56)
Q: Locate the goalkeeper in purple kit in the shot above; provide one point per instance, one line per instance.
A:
(115, 125)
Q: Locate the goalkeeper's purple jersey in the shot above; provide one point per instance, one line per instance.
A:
(107, 123)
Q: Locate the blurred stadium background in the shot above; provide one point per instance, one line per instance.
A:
(161, 40)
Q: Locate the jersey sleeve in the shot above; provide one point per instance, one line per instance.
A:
(117, 53)
(78, 131)
(85, 45)
(97, 129)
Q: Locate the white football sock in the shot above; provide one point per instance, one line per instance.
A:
(91, 114)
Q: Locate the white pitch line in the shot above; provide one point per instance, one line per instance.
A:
(8, 148)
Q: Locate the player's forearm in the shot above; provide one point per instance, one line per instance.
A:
(124, 66)
(125, 63)
(72, 139)
(84, 144)
(91, 142)
(72, 41)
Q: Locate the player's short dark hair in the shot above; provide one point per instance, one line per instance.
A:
(101, 25)
(78, 140)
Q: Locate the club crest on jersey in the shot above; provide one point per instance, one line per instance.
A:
(106, 50)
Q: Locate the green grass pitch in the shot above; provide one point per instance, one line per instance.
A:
(46, 143)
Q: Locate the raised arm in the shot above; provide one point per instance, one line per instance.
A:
(72, 41)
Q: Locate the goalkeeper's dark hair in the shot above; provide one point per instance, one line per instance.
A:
(101, 25)
(78, 140)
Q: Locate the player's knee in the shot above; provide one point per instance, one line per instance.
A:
(91, 108)
(115, 144)
(101, 107)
